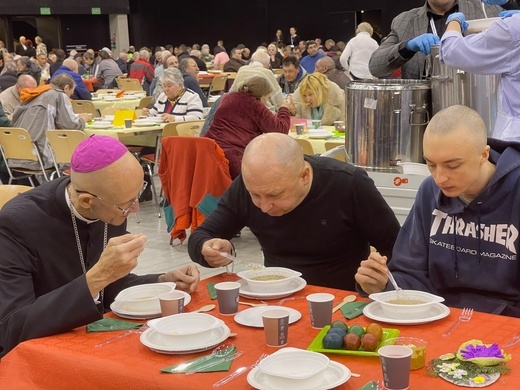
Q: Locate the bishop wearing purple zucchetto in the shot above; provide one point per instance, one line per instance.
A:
(66, 253)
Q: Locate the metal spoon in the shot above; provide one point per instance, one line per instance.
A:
(204, 308)
(347, 299)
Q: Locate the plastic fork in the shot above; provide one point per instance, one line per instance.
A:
(515, 339)
(124, 334)
(465, 316)
(239, 371)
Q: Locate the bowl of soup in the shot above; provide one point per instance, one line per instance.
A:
(407, 304)
(269, 279)
(143, 297)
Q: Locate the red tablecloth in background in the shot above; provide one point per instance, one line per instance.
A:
(70, 360)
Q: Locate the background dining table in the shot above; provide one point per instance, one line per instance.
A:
(123, 103)
(71, 359)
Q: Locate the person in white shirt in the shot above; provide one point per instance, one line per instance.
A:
(358, 51)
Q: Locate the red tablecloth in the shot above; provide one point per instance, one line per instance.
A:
(71, 361)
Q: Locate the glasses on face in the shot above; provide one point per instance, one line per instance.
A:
(124, 211)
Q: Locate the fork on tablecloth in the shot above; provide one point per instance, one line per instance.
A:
(239, 371)
(465, 316)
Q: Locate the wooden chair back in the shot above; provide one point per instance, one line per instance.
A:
(144, 102)
(63, 143)
(17, 144)
(84, 107)
(306, 146)
(218, 84)
(336, 151)
(190, 128)
(170, 129)
(109, 111)
(9, 191)
(130, 84)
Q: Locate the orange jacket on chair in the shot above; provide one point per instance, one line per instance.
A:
(194, 174)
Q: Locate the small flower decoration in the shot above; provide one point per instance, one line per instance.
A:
(478, 380)
(447, 367)
(458, 373)
(481, 354)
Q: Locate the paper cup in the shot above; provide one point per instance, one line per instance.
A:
(171, 303)
(315, 123)
(338, 126)
(395, 363)
(128, 123)
(227, 296)
(299, 128)
(276, 327)
(320, 309)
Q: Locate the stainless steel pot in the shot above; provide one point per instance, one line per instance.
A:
(385, 121)
(454, 86)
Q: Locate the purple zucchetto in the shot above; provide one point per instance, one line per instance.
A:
(96, 152)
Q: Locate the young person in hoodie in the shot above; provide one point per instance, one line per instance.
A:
(460, 240)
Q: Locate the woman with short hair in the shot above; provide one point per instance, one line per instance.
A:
(176, 103)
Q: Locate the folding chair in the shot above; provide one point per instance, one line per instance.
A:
(63, 143)
(16, 144)
(337, 152)
(9, 191)
(144, 102)
(130, 84)
(190, 128)
(84, 107)
(306, 146)
(218, 84)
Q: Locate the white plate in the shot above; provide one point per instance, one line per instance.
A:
(109, 98)
(320, 135)
(130, 97)
(156, 119)
(152, 340)
(296, 284)
(139, 315)
(143, 124)
(101, 125)
(335, 375)
(253, 316)
(375, 312)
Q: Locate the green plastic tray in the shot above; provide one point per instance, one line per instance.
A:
(317, 346)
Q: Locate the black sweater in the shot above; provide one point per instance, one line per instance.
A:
(325, 237)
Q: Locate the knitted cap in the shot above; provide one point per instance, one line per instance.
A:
(96, 152)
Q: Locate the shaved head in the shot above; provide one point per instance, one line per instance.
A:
(459, 118)
(279, 152)
(275, 173)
